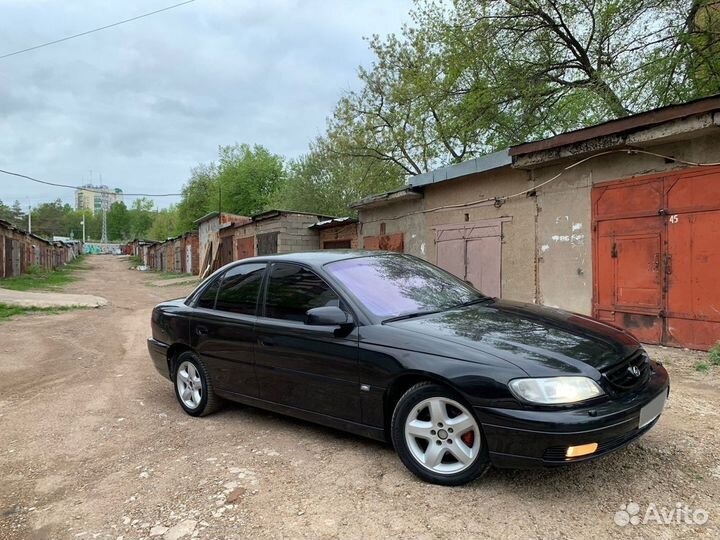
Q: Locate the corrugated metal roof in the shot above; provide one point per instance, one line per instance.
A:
(274, 213)
(488, 162)
(620, 125)
(333, 222)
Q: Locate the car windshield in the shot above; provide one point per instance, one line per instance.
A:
(392, 286)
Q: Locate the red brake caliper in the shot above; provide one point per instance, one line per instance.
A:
(468, 438)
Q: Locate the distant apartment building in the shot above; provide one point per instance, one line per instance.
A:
(92, 198)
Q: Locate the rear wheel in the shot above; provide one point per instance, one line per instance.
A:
(438, 437)
(193, 387)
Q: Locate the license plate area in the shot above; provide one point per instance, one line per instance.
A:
(652, 410)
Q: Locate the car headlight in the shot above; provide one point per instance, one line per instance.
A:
(555, 390)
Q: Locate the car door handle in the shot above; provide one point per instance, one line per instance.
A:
(201, 331)
(268, 342)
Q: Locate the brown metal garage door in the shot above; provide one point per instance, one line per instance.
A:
(656, 251)
(386, 242)
(245, 247)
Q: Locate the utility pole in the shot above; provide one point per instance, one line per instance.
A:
(104, 239)
(83, 225)
(29, 218)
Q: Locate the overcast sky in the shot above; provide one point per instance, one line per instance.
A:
(142, 103)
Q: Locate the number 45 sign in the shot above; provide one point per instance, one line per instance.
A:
(674, 218)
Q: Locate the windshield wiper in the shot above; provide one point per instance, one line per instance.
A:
(480, 300)
(411, 315)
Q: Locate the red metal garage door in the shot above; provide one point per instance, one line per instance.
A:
(655, 252)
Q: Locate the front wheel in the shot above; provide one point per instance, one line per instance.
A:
(193, 387)
(437, 437)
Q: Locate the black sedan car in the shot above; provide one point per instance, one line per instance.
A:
(390, 347)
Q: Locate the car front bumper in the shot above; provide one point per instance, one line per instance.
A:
(524, 438)
(159, 355)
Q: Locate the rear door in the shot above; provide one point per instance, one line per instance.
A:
(222, 330)
(301, 366)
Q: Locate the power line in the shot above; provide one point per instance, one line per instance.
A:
(55, 184)
(95, 30)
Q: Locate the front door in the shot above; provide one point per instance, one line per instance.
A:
(301, 366)
(222, 328)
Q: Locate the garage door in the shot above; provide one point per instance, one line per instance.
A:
(656, 250)
(245, 247)
(472, 251)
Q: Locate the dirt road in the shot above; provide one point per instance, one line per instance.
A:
(93, 445)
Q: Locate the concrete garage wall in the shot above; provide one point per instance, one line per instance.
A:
(564, 222)
(518, 233)
(404, 217)
(564, 237)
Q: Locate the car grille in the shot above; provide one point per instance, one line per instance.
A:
(631, 373)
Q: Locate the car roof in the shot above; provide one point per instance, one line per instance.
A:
(318, 258)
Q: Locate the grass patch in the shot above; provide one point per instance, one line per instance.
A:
(714, 354)
(136, 260)
(38, 278)
(7, 311)
(168, 275)
(702, 367)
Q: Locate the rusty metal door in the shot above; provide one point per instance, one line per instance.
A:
(8, 257)
(226, 251)
(655, 253)
(693, 259)
(178, 261)
(267, 243)
(16, 251)
(337, 244)
(245, 247)
(386, 242)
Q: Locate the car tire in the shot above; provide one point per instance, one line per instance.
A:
(193, 387)
(438, 437)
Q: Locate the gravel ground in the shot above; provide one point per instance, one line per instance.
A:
(93, 445)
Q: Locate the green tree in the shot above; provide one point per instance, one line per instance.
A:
(48, 219)
(326, 182)
(247, 176)
(165, 225)
(477, 75)
(140, 218)
(13, 214)
(199, 195)
(118, 222)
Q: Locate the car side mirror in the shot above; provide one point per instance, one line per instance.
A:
(328, 316)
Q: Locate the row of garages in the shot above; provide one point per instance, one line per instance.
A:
(222, 238)
(620, 221)
(21, 251)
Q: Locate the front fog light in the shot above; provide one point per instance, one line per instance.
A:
(582, 450)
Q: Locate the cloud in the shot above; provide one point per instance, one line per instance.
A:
(142, 103)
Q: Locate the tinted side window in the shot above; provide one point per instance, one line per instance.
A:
(292, 290)
(240, 288)
(207, 296)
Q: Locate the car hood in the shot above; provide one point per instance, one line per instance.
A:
(539, 340)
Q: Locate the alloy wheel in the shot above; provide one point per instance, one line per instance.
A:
(189, 385)
(442, 435)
